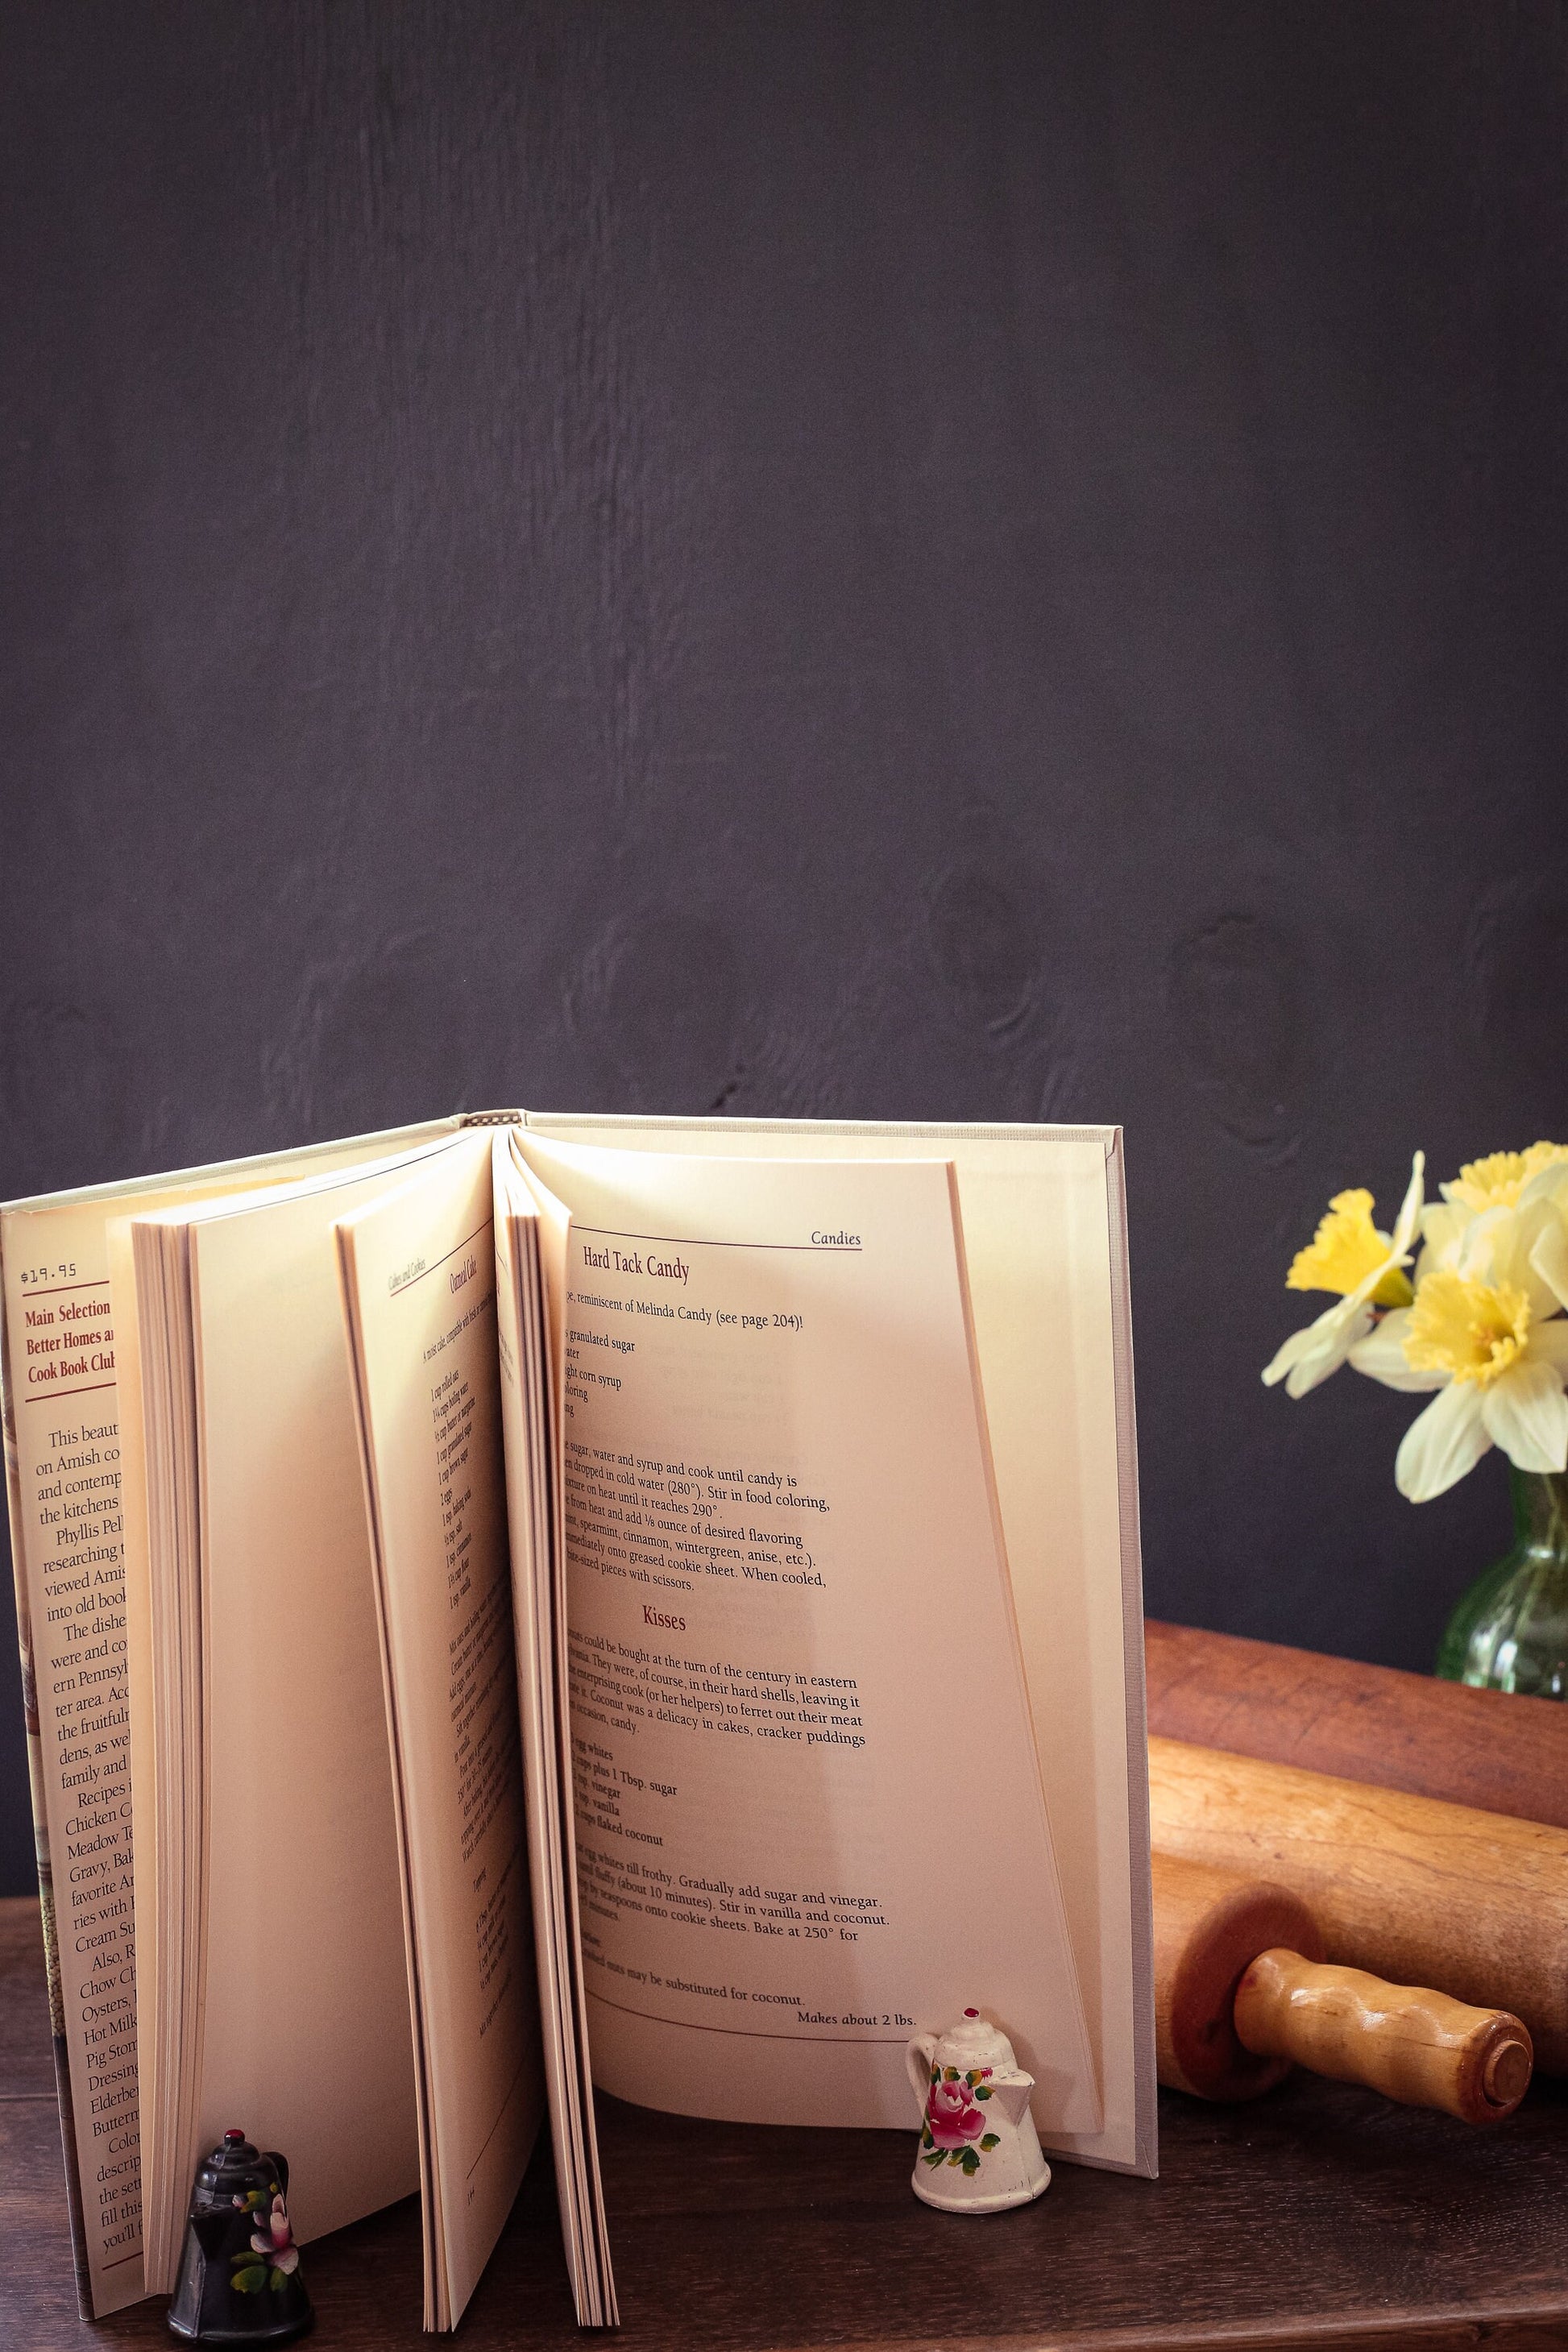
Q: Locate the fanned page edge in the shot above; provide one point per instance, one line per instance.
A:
(437, 2317)
(514, 1244)
(166, 1377)
(575, 2134)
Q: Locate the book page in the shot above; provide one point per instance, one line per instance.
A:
(419, 1287)
(810, 1820)
(1044, 1221)
(300, 1896)
(63, 1331)
(530, 1418)
(63, 1453)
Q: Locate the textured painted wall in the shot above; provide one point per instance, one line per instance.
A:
(896, 559)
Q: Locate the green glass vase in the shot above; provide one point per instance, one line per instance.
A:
(1510, 1633)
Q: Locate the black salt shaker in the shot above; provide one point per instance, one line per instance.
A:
(239, 2274)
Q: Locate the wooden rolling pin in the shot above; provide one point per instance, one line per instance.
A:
(1240, 1996)
(1490, 1748)
(1415, 1891)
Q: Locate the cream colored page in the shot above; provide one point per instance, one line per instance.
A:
(422, 1270)
(526, 1510)
(61, 1405)
(1040, 1261)
(138, 1674)
(305, 2032)
(160, 1791)
(62, 1393)
(64, 1371)
(523, 1347)
(797, 1694)
(1040, 1209)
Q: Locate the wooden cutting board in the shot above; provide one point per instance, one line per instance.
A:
(1481, 1748)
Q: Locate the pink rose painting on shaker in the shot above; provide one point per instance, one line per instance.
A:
(955, 2118)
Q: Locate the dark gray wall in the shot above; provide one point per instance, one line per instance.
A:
(893, 559)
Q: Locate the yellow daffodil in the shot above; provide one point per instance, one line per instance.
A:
(1497, 1181)
(1346, 1248)
(1348, 1256)
(1498, 1362)
(1505, 1220)
(1483, 1328)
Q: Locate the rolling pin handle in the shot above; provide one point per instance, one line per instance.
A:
(1414, 2045)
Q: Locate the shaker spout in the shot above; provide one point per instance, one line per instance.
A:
(1011, 2092)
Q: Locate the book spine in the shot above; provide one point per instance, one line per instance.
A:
(40, 1831)
(1145, 2091)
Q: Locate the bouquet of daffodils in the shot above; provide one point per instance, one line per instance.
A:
(1480, 1320)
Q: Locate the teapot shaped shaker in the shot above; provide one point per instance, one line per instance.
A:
(240, 2272)
(979, 2151)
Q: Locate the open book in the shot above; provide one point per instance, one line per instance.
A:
(526, 1603)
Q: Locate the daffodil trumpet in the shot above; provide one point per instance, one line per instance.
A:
(1482, 1327)
(1348, 1256)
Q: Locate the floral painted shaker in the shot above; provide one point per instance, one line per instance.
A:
(239, 2274)
(979, 2151)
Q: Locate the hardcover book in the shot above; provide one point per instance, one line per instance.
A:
(529, 1604)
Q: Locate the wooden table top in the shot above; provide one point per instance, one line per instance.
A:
(1319, 2216)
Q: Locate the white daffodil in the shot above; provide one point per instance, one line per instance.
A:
(1547, 1192)
(1366, 1267)
(1498, 1362)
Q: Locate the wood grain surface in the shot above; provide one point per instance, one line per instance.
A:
(1321, 2215)
(1504, 1754)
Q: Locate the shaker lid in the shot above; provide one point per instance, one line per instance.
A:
(972, 2043)
(235, 2163)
